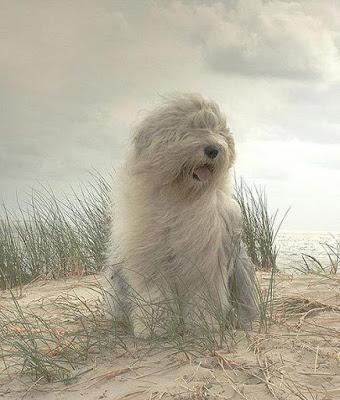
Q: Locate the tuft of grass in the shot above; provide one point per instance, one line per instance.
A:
(43, 346)
(260, 227)
(260, 230)
(313, 265)
(53, 237)
(65, 334)
(187, 323)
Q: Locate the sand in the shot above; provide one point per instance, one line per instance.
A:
(298, 358)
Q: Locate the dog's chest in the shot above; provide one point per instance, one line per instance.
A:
(199, 238)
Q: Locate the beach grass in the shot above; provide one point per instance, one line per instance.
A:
(55, 340)
(53, 237)
(313, 265)
(260, 226)
(52, 348)
(66, 332)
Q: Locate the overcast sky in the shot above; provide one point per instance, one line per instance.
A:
(76, 75)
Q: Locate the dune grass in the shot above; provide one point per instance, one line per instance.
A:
(260, 227)
(57, 237)
(312, 265)
(62, 236)
(53, 348)
(54, 341)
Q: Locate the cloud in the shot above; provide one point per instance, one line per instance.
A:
(74, 77)
(274, 39)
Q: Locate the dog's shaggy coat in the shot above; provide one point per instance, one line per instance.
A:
(175, 226)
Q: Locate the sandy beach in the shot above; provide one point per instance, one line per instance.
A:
(298, 358)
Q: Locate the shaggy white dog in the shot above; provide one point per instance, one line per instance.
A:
(175, 227)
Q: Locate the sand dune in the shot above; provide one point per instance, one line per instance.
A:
(298, 358)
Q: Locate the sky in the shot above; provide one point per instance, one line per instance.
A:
(75, 76)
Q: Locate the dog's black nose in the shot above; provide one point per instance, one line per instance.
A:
(211, 151)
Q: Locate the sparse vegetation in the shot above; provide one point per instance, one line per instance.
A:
(54, 347)
(55, 237)
(61, 338)
(313, 265)
(260, 228)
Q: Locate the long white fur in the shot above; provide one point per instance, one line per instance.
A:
(167, 226)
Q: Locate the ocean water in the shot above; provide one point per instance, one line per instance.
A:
(293, 244)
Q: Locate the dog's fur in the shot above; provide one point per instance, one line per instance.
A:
(168, 225)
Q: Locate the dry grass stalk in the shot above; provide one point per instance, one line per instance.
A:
(295, 306)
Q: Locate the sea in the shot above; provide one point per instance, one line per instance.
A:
(293, 245)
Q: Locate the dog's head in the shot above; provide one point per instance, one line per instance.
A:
(184, 144)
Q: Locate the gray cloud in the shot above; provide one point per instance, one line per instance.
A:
(273, 39)
(74, 75)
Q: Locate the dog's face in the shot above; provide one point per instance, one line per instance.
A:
(185, 145)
